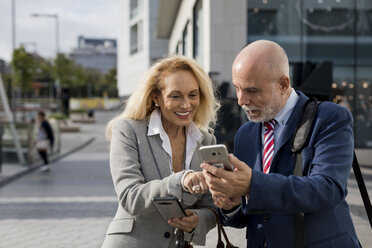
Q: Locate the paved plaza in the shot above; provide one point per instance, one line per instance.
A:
(73, 204)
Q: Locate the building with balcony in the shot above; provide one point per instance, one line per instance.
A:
(99, 54)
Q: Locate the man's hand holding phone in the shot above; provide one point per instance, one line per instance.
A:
(228, 184)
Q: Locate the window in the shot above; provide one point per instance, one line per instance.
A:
(184, 40)
(198, 31)
(318, 32)
(133, 8)
(178, 47)
(136, 38)
(262, 21)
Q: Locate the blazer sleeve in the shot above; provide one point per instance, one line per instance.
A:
(133, 191)
(207, 219)
(328, 160)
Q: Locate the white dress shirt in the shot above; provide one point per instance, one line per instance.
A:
(193, 136)
(282, 117)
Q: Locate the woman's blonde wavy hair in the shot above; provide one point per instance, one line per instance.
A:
(140, 104)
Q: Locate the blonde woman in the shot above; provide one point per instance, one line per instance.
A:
(154, 152)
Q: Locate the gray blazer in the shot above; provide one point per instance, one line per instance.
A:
(140, 171)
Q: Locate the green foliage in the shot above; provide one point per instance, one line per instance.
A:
(110, 83)
(44, 70)
(23, 66)
(58, 116)
(64, 70)
(82, 82)
(107, 85)
(7, 79)
(78, 111)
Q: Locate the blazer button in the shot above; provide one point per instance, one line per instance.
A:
(166, 235)
(265, 218)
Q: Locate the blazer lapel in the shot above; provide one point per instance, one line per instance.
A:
(161, 157)
(258, 152)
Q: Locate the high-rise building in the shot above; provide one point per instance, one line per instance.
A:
(94, 53)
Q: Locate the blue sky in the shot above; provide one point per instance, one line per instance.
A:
(90, 18)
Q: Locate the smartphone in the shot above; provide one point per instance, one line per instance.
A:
(168, 207)
(216, 155)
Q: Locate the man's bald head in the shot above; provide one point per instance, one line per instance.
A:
(260, 75)
(265, 56)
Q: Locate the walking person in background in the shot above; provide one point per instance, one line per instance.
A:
(45, 139)
(154, 152)
(262, 194)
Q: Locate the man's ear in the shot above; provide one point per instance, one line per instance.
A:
(284, 84)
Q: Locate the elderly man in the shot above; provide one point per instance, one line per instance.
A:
(262, 193)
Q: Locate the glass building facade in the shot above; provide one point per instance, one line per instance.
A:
(329, 46)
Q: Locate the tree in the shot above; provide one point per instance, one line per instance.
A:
(109, 84)
(23, 66)
(63, 70)
(84, 81)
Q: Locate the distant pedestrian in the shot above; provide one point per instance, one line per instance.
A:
(45, 139)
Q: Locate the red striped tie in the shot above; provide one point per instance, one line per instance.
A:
(268, 145)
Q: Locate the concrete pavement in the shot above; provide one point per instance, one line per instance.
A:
(72, 205)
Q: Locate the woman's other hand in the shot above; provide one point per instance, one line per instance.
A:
(195, 183)
(186, 224)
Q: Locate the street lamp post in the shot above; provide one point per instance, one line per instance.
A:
(13, 26)
(55, 16)
(11, 87)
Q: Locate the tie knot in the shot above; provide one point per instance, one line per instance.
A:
(270, 124)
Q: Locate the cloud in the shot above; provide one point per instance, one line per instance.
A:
(90, 18)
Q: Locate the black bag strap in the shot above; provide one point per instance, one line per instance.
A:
(300, 137)
(220, 243)
(299, 142)
(362, 189)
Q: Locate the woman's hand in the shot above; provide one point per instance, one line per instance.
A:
(186, 224)
(195, 183)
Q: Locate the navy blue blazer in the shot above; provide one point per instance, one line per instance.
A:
(320, 194)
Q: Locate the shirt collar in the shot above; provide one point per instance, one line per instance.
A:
(284, 114)
(156, 127)
(155, 124)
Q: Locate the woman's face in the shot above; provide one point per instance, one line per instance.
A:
(179, 99)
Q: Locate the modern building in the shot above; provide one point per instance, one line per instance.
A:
(212, 32)
(329, 44)
(138, 46)
(97, 54)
